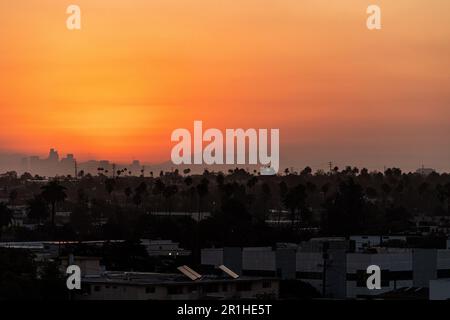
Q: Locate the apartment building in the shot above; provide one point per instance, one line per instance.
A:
(337, 271)
(157, 286)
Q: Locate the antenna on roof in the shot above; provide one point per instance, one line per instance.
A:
(188, 272)
(229, 272)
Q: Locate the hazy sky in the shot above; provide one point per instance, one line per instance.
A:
(140, 69)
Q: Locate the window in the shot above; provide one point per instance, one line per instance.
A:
(97, 288)
(266, 284)
(224, 287)
(150, 290)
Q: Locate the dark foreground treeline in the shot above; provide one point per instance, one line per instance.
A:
(245, 210)
(240, 203)
(22, 278)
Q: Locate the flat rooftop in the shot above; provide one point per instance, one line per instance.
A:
(148, 279)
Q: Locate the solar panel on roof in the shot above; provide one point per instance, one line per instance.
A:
(193, 272)
(188, 272)
(229, 272)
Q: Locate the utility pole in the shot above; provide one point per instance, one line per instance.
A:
(331, 166)
(76, 170)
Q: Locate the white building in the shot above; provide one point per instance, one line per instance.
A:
(440, 289)
(396, 271)
(197, 216)
(166, 248)
(337, 273)
(364, 242)
(156, 286)
(425, 225)
(259, 260)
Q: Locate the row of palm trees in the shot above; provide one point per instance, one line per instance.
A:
(51, 194)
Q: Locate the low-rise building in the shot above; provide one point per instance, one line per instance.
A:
(426, 225)
(335, 271)
(156, 286)
(440, 289)
(362, 243)
(166, 248)
(197, 216)
(89, 266)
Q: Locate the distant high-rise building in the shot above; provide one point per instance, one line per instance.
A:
(35, 164)
(67, 165)
(53, 155)
(25, 165)
(135, 167)
(105, 166)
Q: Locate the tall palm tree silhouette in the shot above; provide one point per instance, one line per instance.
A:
(202, 191)
(5, 216)
(53, 193)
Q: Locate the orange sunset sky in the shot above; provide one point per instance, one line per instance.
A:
(139, 69)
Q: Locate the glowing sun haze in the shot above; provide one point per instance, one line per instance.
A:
(139, 69)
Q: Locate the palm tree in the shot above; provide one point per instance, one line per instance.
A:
(13, 197)
(306, 172)
(140, 193)
(386, 189)
(81, 174)
(110, 185)
(443, 194)
(283, 190)
(202, 191)
(325, 188)
(252, 182)
(188, 181)
(128, 192)
(37, 209)
(5, 216)
(295, 201)
(53, 193)
(158, 190)
(220, 180)
(168, 193)
(266, 194)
